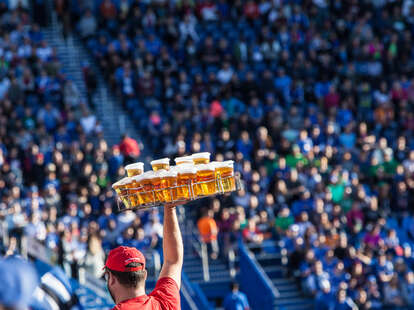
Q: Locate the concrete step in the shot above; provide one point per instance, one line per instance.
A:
(197, 268)
(215, 288)
(296, 307)
(72, 53)
(290, 294)
(293, 301)
(288, 288)
(269, 259)
(219, 276)
(275, 271)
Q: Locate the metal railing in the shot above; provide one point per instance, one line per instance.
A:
(4, 233)
(192, 237)
(255, 282)
(231, 257)
(200, 248)
(153, 259)
(195, 293)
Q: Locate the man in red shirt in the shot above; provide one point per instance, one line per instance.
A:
(129, 148)
(125, 272)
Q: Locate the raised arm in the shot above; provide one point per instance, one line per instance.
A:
(172, 245)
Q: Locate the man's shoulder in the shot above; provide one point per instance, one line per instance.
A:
(165, 283)
(166, 293)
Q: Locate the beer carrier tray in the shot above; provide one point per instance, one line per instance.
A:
(219, 185)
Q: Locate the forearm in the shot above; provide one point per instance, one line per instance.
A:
(172, 241)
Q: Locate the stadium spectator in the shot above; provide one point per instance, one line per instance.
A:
(19, 281)
(129, 148)
(392, 294)
(95, 257)
(207, 228)
(236, 300)
(252, 235)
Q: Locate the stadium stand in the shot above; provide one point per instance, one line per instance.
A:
(312, 99)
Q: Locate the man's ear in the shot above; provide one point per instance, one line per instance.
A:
(146, 274)
(112, 279)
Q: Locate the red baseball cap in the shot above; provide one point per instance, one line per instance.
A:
(120, 257)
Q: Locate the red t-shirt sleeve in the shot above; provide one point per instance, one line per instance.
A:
(167, 293)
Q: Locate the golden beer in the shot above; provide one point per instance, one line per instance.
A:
(139, 189)
(122, 191)
(206, 181)
(159, 164)
(187, 176)
(201, 158)
(147, 195)
(132, 192)
(183, 160)
(169, 186)
(225, 172)
(156, 185)
(135, 169)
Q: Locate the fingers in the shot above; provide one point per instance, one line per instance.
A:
(172, 204)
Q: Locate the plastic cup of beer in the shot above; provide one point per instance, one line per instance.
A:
(206, 181)
(163, 163)
(169, 185)
(147, 195)
(135, 169)
(132, 192)
(136, 180)
(201, 158)
(224, 171)
(183, 160)
(187, 176)
(122, 191)
(156, 185)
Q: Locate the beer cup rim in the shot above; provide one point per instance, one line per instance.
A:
(170, 173)
(204, 155)
(128, 180)
(121, 182)
(221, 164)
(164, 161)
(188, 159)
(138, 165)
(137, 178)
(116, 184)
(174, 168)
(202, 167)
(187, 168)
(146, 175)
(156, 174)
(160, 173)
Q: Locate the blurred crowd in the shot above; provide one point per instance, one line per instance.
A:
(313, 100)
(56, 169)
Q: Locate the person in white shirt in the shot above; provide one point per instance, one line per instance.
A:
(187, 28)
(36, 228)
(154, 227)
(409, 163)
(25, 49)
(88, 121)
(44, 51)
(225, 73)
(4, 87)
